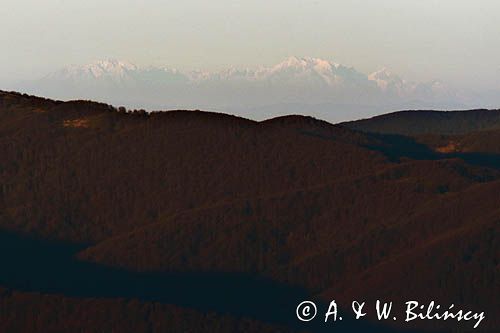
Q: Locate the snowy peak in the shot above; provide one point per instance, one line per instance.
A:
(305, 65)
(229, 74)
(102, 68)
(383, 75)
(301, 64)
(293, 69)
(389, 82)
(113, 67)
(117, 73)
(392, 84)
(315, 70)
(293, 81)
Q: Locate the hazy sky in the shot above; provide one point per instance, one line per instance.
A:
(454, 40)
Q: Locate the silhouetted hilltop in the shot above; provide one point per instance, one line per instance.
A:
(287, 208)
(414, 123)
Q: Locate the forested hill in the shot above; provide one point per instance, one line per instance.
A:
(278, 210)
(429, 122)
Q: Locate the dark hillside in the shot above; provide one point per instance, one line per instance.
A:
(414, 123)
(110, 216)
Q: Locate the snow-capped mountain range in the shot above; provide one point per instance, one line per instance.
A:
(311, 86)
(112, 68)
(293, 69)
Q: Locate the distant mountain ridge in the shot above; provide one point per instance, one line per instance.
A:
(318, 87)
(289, 69)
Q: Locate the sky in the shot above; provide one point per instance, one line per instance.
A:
(454, 40)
